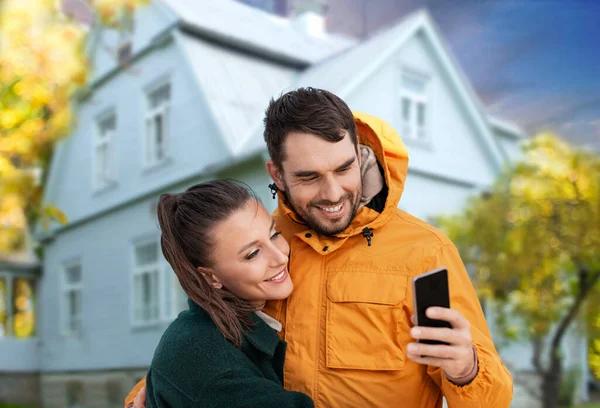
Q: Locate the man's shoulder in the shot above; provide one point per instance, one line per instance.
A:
(407, 227)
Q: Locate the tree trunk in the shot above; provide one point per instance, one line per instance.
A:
(551, 380)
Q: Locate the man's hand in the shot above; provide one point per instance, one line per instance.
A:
(140, 399)
(457, 359)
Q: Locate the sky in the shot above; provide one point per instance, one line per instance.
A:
(533, 62)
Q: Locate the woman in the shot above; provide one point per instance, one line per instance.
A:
(223, 351)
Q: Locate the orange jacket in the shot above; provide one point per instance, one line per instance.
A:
(347, 322)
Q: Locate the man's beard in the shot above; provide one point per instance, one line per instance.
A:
(332, 227)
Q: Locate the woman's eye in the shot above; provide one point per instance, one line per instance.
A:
(275, 235)
(252, 255)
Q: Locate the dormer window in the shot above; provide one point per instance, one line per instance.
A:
(414, 110)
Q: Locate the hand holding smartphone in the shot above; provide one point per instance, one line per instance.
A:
(430, 289)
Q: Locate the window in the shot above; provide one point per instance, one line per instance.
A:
(23, 308)
(125, 44)
(74, 395)
(114, 394)
(145, 283)
(71, 300)
(105, 130)
(414, 107)
(157, 124)
(17, 306)
(177, 300)
(157, 295)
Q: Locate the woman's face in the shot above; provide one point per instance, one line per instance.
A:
(250, 256)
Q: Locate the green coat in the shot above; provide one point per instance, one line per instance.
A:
(195, 366)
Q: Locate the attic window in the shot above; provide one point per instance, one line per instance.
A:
(158, 102)
(102, 159)
(414, 107)
(125, 45)
(124, 53)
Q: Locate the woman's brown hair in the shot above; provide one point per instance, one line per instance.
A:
(187, 221)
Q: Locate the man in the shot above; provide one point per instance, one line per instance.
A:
(348, 325)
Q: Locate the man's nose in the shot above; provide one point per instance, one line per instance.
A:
(331, 190)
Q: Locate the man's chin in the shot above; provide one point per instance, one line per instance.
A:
(327, 227)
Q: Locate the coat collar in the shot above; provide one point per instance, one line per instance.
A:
(258, 335)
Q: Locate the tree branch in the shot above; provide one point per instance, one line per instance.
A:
(574, 309)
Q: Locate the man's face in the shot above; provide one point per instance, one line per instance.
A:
(321, 180)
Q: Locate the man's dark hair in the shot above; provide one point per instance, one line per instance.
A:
(306, 110)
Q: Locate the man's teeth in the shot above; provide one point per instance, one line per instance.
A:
(277, 276)
(332, 209)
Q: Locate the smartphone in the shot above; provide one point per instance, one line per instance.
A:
(430, 289)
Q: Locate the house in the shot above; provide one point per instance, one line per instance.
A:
(180, 100)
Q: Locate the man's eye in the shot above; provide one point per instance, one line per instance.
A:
(275, 235)
(252, 255)
(311, 178)
(345, 169)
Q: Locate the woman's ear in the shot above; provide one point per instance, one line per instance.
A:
(210, 277)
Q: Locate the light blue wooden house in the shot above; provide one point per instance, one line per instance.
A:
(181, 100)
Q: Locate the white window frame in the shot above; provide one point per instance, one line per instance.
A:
(140, 270)
(9, 276)
(168, 288)
(411, 130)
(175, 290)
(103, 139)
(66, 321)
(151, 149)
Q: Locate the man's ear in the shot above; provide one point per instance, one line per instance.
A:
(276, 175)
(210, 277)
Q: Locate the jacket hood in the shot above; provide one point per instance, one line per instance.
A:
(392, 155)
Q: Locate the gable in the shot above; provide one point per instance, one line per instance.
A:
(452, 145)
(347, 73)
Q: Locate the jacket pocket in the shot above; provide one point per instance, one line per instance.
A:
(364, 318)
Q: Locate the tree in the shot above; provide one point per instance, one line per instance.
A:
(534, 240)
(43, 65)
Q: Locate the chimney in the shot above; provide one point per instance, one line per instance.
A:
(308, 16)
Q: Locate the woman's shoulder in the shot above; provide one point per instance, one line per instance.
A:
(192, 352)
(193, 336)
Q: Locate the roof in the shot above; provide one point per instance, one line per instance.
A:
(345, 72)
(236, 23)
(237, 86)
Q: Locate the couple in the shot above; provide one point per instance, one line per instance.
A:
(339, 241)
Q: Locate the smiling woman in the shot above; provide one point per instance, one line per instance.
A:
(230, 259)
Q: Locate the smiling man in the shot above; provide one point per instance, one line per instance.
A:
(347, 324)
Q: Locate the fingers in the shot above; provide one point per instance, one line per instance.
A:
(412, 320)
(449, 315)
(426, 360)
(437, 351)
(446, 335)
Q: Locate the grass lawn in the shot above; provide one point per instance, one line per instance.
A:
(592, 405)
(18, 406)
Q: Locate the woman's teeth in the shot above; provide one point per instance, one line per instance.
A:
(276, 277)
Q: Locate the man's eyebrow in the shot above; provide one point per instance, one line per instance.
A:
(251, 244)
(346, 164)
(308, 173)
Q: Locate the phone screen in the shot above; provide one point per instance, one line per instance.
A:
(431, 289)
